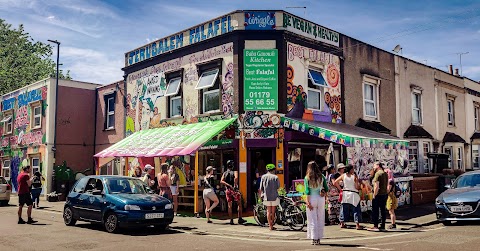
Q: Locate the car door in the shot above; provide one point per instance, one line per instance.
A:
(75, 197)
(95, 202)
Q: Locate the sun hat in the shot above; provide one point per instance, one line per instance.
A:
(209, 168)
(271, 167)
(340, 166)
(148, 167)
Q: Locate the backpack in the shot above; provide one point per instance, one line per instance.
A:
(230, 177)
(397, 191)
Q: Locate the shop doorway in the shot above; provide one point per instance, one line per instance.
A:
(258, 158)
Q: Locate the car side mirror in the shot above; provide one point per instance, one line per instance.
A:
(97, 192)
(448, 186)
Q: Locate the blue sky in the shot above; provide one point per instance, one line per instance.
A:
(94, 35)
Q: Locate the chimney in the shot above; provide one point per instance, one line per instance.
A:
(450, 69)
(456, 72)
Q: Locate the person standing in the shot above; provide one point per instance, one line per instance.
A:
(379, 202)
(24, 197)
(392, 201)
(209, 194)
(148, 179)
(137, 172)
(36, 188)
(350, 198)
(269, 185)
(315, 189)
(174, 179)
(230, 181)
(333, 197)
(164, 182)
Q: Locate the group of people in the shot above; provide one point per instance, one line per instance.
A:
(164, 183)
(29, 190)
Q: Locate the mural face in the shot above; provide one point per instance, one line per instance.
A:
(146, 103)
(319, 100)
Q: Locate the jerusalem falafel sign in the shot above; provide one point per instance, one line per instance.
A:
(260, 80)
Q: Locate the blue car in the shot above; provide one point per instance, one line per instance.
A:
(116, 202)
(461, 202)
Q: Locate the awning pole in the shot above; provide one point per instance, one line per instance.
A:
(97, 166)
(195, 189)
(127, 167)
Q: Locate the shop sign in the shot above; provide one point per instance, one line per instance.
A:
(259, 20)
(193, 35)
(261, 80)
(310, 30)
(216, 144)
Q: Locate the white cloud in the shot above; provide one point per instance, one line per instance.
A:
(51, 17)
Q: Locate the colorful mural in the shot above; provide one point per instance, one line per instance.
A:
(299, 61)
(259, 124)
(147, 105)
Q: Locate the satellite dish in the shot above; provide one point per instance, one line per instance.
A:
(397, 48)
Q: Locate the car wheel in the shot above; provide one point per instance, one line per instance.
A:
(68, 216)
(447, 223)
(111, 223)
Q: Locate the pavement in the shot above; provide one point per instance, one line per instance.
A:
(410, 219)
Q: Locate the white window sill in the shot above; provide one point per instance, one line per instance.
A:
(110, 129)
(371, 119)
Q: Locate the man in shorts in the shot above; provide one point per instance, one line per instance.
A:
(230, 181)
(24, 197)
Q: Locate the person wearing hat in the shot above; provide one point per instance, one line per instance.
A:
(209, 194)
(269, 185)
(149, 173)
(230, 181)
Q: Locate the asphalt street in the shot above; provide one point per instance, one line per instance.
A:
(194, 234)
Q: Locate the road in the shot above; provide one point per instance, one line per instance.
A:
(51, 234)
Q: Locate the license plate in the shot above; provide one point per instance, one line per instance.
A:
(154, 216)
(465, 208)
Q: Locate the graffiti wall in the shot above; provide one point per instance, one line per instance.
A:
(146, 89)
(25, 140)
(259, 124)
(323, 70)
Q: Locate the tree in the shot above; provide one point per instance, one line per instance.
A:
(22, 60)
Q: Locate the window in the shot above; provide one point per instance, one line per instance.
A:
(370, 98)
(174, 95)
(36, 119)
(475, 156)
(416, 108)
(6, 169)
(459, 158)
(476, 115)
(316, 82)
(80, 186)
(209, 86)
(448, 151)
(450, 112)
(413, 155)
(35, 161)
(426, 162)
(109, 110)
(7, 123)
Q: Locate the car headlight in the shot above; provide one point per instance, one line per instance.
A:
(132, 207)
(439, 201)
(169, 206)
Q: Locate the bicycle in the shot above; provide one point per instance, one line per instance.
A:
(288, 213)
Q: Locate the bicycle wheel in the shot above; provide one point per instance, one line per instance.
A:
(294, 217)
(260, 215)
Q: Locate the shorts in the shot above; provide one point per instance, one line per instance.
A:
(392, 201)
(25, 199)
(272, 203)
(174, 190)
(209, 194)
(233, 195)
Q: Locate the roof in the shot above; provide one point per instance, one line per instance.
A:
(415, 131)
(476, 135)
(452, 137)
(372, 126)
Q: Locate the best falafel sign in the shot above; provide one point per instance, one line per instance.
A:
(260, 79)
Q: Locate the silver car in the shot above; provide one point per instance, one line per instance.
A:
(5, 191)
(461, 201)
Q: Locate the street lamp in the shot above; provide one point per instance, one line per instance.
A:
(54, 148)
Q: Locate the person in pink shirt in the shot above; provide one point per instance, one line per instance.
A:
(392, 201)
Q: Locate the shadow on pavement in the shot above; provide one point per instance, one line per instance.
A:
(146, 231)
(342, 245)
(411, 212)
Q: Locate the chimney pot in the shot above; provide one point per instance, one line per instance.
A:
(456, 72)
(450, 69)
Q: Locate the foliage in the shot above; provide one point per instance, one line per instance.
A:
(23, 61)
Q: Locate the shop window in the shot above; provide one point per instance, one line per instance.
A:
(109, 111)
(370, 98)
(316, 82)
(209, 86)
(426, 162)
(476, 115)
(6, 169)
(451, 112)
(35, 163)
(416, 108)
(174, 95)
(7, 123)
(475, 156)
(207, 79)
(460, 158)
(36, 119)
(449, 152)
(413, 155)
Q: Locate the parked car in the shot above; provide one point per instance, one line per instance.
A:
(5, 191)
(461, 202)
(116, 202)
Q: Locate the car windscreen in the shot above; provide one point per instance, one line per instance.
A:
(128, 186)
(469, 180)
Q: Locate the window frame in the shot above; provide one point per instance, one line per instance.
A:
(203, 101)
(35, 167)
(217, 68)
(460, 157)
(411, 148)
(6, 124)
(417, 109)
(178, 94)
(476, 116)
(170, 106)
(426, 160)
(178, 86)
(374, 82)
(313, 86)
(6, 168)
(475, 156)
(33, 116)
(106, 98)
(217, 85)
(450, 154)
(451, 114)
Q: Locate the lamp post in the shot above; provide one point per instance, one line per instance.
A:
(54, 148)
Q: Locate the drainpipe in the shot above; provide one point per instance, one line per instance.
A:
(95, 129)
